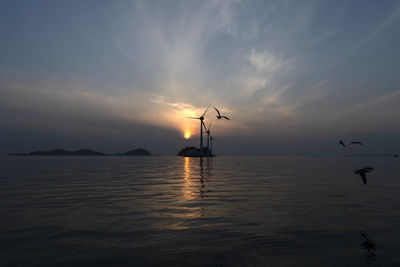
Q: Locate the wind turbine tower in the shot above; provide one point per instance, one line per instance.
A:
(209, 139)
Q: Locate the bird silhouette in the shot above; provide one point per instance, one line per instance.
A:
(341, 143)
(362, 172)
(355, 143)
(219, 115)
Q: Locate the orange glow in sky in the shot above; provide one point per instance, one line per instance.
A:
(187, 134)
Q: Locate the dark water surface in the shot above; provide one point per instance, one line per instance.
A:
(171, 211)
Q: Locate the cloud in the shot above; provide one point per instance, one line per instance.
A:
(323, 37)
(373, 113)
(263, 64)
(383, 26)
(261, 91)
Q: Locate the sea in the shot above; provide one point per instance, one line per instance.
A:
(177, 211)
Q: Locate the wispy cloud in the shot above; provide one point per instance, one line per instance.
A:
(378, 30)
(267, 65)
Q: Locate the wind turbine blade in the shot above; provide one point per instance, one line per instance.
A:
(206, 111)
(204, 125)
(192, 118)
(209, 125)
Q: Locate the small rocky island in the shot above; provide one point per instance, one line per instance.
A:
(83, 152)
(191, 151)
(135, 152)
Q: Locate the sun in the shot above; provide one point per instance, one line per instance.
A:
(187, 134)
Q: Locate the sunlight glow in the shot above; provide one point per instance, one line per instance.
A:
(187, 134)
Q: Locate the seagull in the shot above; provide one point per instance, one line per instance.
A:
(341, 143)
(362, 172)
(219, 115)
(355, 143)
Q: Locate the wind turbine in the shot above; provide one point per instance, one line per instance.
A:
(201, 118)
(209, 138)
(211, 144)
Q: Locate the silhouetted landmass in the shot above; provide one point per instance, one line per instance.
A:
(191, 151)
(136, 152)
(62, 152)
(83, 152)
(372, 155)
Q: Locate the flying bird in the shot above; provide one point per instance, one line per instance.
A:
(355, 143)
(341, 143)
(219, 115)
(362, 172)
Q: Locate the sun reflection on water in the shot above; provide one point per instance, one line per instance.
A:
(187, 169)
(188, 185)
(190, 190)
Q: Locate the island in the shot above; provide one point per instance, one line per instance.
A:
(191, 151)
(83, 152)
(135, 152)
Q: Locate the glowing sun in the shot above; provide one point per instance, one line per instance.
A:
(187, 135)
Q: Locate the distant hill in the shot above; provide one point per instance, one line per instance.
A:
(374, 155)
(135, 152)
(83, 152)
(62, 152)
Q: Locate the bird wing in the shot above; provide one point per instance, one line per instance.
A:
(356, 142)
(363, 177)
(217, 111)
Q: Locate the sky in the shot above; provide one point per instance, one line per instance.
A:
(293, 76)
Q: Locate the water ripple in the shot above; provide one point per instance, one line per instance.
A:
(170, 211)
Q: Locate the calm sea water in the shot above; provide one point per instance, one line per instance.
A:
(171, 211)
